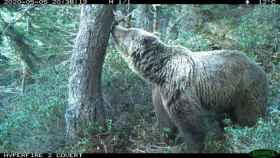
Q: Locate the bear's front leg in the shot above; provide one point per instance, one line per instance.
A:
(189, 117)
(164, 120)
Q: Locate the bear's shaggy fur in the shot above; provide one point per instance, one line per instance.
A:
(194, 91)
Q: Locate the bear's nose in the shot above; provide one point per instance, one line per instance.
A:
(119, 32)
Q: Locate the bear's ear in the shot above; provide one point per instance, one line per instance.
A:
(148, 40)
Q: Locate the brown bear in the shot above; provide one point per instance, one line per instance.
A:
(194, 91)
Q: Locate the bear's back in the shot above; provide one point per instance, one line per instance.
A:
(219, 76)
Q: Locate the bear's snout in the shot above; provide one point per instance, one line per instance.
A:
(119, 33)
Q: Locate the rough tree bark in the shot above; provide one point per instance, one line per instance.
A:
(85, 103)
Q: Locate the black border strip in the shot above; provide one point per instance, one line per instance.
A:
(136, 155)
(139, 1)
(133, 155)
(162, 155)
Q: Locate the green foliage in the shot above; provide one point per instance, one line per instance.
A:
(35, 121)
(48, 30)
(266, 134)
(260, 27)
(83, 146)
(109, 125)
(193, 41)
(115, 67)
(166, 132)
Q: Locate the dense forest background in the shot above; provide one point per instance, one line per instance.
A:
(36, 44)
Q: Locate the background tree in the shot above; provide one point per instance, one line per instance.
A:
(144, 17)
(22, 47)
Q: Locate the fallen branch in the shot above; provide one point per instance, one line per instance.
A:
(4, 89)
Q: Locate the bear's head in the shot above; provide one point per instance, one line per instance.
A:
(131, 40)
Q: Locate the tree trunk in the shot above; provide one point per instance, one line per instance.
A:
(85, 103)
(156, 23)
